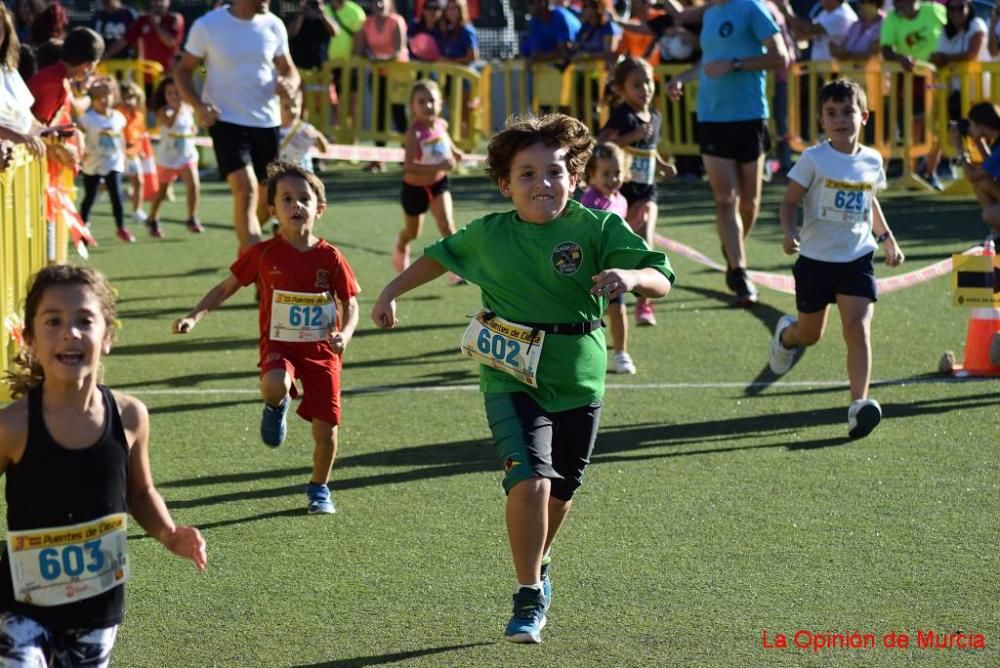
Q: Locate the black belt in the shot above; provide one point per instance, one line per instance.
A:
(563, 328)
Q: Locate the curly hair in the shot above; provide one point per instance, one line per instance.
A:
(555, 130)
(27, 372)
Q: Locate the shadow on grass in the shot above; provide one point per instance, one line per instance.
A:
(178, 312)
(393, 657)
(201, 405)
(199, 271)
(615, 444)
(192, 380)
(188, 345)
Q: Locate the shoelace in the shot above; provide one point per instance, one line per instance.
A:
(528, 606)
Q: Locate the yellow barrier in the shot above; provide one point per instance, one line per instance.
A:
(368, 91)
(976, 81)
(22, 243)
(132, 70)
(899, 132)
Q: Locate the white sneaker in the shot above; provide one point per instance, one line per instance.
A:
(139, 216)
(624, 363)
(782, 358)
(863, 415)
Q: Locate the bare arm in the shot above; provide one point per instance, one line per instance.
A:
(144, 502)
(647, 282)
(288, 81)
(212, 300)
(349, 323)
(205, 114)
(893, 255)
(421, 271)
(790, 216)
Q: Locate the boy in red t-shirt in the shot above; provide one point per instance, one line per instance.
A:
(302, 334)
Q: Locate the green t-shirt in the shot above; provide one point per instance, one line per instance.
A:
(349, 19)
(916, 37)
(543, 273)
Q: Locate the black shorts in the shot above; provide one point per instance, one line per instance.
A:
(534, 443)
(417, 199)
(237, 146)
(742, 141)
(818, 283)
(638, 192)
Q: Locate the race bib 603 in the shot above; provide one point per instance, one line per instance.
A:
(63, 564)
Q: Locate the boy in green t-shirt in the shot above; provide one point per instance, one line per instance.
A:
(546, 271)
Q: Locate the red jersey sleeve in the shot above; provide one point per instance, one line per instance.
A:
(247, 266)
(134, 30)
(344, 284)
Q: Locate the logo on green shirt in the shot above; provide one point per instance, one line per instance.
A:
(566, 257)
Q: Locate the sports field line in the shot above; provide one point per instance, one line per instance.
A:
(473, 387)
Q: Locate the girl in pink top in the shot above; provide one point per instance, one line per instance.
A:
(428, 157)
(604, 178)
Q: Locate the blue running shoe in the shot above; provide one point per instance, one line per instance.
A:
(320, 502)
(272, 423)
(529, 617)
(547, 583)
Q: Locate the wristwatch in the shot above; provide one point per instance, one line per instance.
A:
(737, 65)
(882, 238)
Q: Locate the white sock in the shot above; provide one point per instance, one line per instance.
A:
(537, 586)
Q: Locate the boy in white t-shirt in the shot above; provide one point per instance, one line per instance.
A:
(838, 179)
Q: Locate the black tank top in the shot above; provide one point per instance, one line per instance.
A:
(54, 486)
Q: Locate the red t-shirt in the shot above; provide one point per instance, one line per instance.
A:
(277, 265)
(51, 90)
(152, 48)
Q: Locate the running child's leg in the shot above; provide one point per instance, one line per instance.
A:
(136, 183)
(856, 318)
(192, 189)
(528, 527)
(806, 331)
(412, 226)
(617, 316)
(113, 181)
(87, 648)
(23, 642)
(91, 182)
(324, 451)
(275, 383)
(641, 217)
(442, 210)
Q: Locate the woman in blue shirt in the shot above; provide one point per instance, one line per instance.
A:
(739, 42)
(456, 37)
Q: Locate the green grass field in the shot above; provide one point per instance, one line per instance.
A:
(718, 505)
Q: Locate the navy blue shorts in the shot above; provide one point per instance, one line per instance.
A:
(818, 283)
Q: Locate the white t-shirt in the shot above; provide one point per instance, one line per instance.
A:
(960, 44)
(15, 101)
(104, 142)
(836, 23)
(239, 56)
(837, 224)
(299, 146)
(176, 146)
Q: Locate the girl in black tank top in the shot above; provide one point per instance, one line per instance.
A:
(68, 495)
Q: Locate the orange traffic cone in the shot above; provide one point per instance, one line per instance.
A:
(984, 325)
